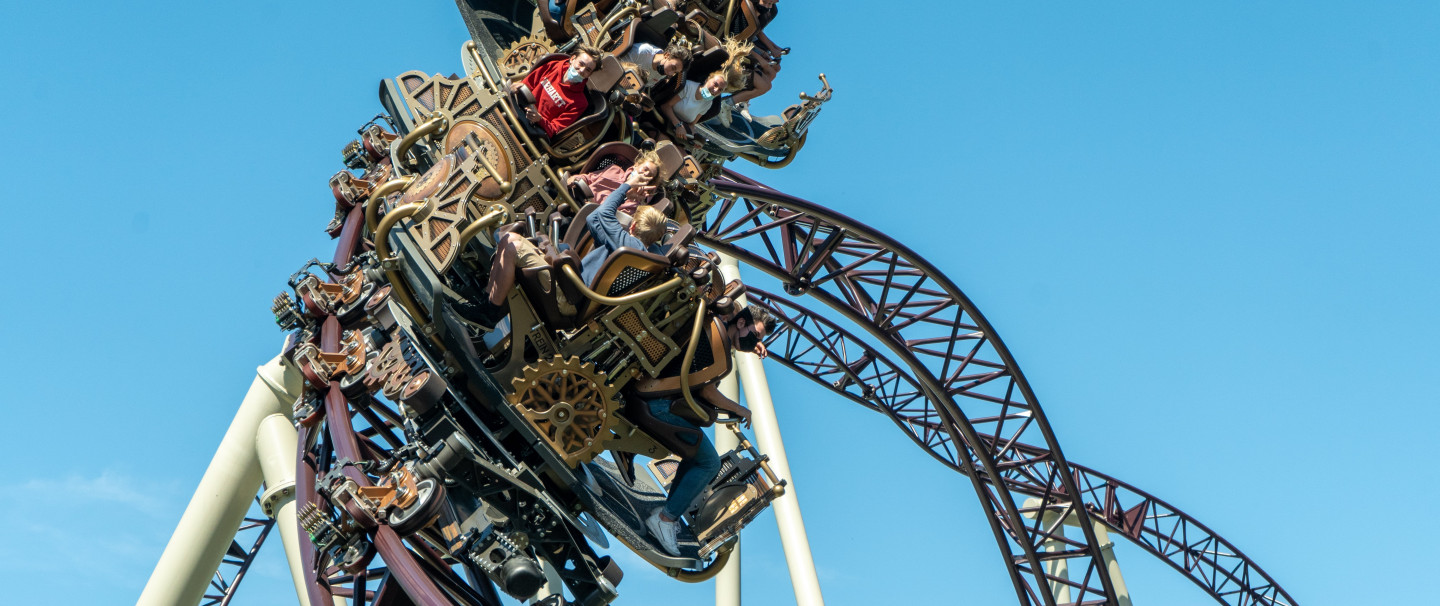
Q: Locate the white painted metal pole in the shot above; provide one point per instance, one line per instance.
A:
(275, 445)
(1060, 568)
(767, 439)
(1107, 552)
(727, 583)
(223, 496)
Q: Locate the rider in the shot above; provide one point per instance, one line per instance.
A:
(766, 55)
(655, 63)
(700, 101)
(559, 89)
(605, 181)
(646, 228)
(744, 330)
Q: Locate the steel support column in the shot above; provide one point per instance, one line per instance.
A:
(727, 583)
(223, 496)
(767, 438)
(275, 445)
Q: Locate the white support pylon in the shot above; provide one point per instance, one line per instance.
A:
(793, 540)
(727, 583)
(224, 494)
(276, 443)
(1107, 553)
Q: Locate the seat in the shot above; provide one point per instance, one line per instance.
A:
(712, 361)
(615, 152)
(586, 131)
(625, 271)
(542, 285)
(672, 437)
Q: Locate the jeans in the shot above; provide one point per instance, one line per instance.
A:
(694, 473)
(556, 10)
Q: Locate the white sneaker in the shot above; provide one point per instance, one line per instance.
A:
(664, 532)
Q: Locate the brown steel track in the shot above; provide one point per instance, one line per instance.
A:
(955, 389)
(858, 370)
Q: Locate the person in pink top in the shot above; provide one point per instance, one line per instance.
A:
(608, 179)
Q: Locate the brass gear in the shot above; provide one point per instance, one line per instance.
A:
(569, 404)
(516, 60)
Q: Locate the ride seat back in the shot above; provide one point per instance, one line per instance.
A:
(712, 361)
(615, 152)
(625, 271)
(657, 27)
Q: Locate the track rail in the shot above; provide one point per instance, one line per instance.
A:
(858, 370)
(973, 390)
(955, 389)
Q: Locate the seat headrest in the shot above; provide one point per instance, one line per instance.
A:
(623, 153)
(606, 74)
(705, 63)
(671, 158)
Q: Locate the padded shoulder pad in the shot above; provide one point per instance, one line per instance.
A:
(621, 152)
(606, 74)
(671, 158)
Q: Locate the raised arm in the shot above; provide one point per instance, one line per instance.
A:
(604, 224)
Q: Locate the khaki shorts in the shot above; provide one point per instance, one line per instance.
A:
(528, 256)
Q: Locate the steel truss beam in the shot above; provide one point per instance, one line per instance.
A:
(237, 560)
(905, 303)
(858, 370)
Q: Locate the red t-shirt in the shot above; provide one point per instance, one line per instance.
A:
(560, 103)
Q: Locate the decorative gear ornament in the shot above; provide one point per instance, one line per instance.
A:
(569, 404)
(516, 60)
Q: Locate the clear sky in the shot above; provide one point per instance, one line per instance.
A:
(1207, 232)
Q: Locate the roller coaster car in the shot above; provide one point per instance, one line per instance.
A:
(501, 464)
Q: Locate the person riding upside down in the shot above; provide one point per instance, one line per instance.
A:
(744, 331)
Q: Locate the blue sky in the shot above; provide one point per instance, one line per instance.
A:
(1206, 231)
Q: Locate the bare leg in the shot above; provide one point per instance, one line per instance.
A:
(502, 268)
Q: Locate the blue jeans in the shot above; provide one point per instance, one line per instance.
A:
(556, 10)
(695, 472)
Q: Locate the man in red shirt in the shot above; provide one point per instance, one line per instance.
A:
(559, 89)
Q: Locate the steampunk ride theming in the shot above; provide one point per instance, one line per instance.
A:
(474, 452)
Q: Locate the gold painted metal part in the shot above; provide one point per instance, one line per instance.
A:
(497, 215)
(569, 404)
(781, 163)
(505, 186)
(729, 14)
(668, 286)
(377, 197)
(698, 576)
(690, 359)
(382, 251)
(628, 11)
(437, 123)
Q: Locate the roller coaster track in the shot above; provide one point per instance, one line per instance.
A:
(950, 359)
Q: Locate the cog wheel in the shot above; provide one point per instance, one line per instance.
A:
(516, 60)
(569, 404)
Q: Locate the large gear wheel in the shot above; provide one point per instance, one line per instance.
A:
(517, 59)
(569, 405)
